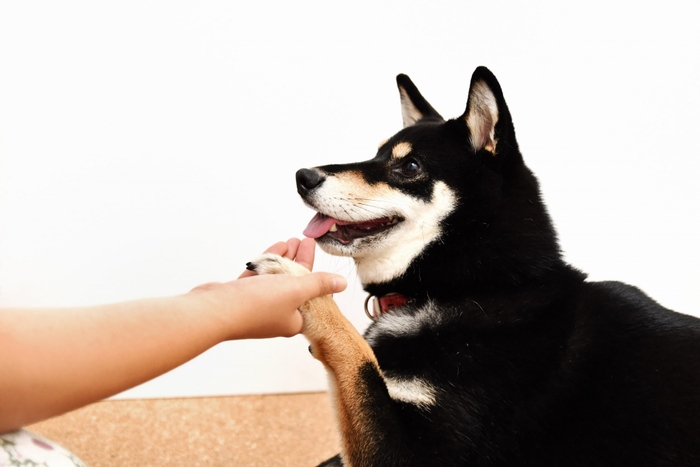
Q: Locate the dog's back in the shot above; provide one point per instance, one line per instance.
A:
(634, 371)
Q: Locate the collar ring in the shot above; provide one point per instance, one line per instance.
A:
(375, 306)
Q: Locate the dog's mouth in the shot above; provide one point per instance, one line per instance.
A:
(345, 232)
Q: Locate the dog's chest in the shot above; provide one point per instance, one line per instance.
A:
(421, 342)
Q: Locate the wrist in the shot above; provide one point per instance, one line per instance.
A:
(211, 310)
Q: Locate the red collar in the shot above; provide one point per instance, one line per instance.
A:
(384, 304)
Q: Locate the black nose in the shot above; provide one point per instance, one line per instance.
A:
(307, 180)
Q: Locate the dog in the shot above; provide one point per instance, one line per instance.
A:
(487, 349)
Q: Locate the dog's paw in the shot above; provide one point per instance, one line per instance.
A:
(269, 263)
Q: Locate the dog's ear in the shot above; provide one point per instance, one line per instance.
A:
(414, 107)
(487, 115)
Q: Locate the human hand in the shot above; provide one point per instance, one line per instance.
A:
(301, 251)
(267, 306)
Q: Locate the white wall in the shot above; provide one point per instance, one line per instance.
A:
(147, 147)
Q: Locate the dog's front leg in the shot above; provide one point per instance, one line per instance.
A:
(365, 413)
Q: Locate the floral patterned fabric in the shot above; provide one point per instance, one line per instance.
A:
(23, 448)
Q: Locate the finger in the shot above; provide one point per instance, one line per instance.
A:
(294, 325)
(306, 253)
(279, 248)
(292, 247)
(321, 283)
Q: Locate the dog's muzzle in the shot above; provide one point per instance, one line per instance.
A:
(308, 180)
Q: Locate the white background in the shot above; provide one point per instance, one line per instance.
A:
(147, 147)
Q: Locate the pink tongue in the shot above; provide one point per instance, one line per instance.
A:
(319, 225)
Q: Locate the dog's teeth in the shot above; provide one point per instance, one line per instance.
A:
(334, 228)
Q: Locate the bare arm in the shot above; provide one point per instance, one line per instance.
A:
(54, 361)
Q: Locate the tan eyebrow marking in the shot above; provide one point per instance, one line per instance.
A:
(401, 149)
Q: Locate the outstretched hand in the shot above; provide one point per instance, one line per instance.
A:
(267, 306)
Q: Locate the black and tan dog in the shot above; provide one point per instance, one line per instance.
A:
(487, 348)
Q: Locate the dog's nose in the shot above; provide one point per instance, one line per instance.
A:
(307, 180)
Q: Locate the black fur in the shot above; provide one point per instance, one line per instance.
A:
(534, 365)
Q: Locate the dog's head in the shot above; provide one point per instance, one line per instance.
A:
(435, 203)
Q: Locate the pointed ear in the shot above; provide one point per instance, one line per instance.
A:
(414, 107)
(486, 115)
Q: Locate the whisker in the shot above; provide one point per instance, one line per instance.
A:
(379, 200)
(356, 206)
(367, 207)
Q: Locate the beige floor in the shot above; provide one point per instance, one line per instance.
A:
(281, 430)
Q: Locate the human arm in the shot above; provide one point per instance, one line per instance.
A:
(54, 361)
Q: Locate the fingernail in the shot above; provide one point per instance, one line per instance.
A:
(339, 284)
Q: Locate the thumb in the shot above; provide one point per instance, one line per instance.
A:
(322, 283)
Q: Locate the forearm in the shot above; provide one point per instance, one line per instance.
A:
(54, 361)
(58, 360)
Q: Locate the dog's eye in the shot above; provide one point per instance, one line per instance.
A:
(409, 168)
